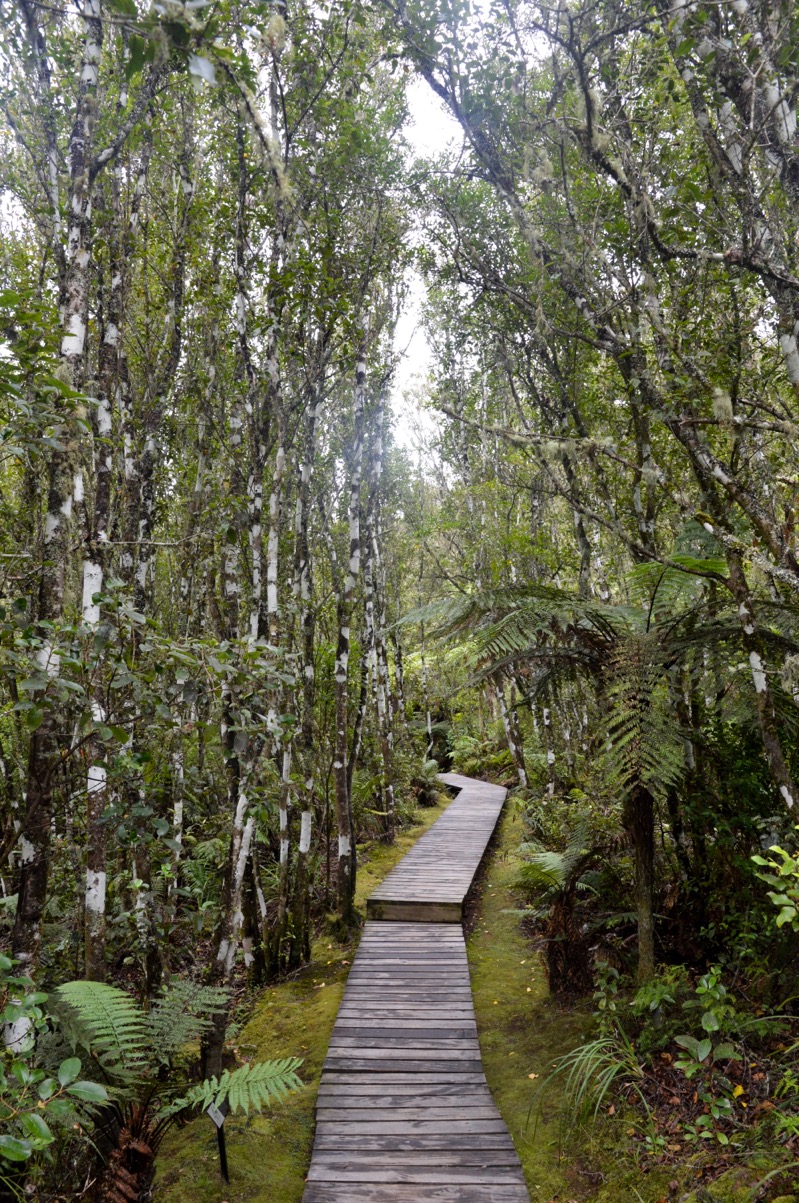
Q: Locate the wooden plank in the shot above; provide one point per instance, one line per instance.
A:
(424, 1175)
(318, 1192)
(412, 1141)
(421, 1157)
(382, 1110)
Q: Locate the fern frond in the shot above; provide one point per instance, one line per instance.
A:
(556, 871)
(643, 739)
(183, 1013)
(108, 1023)
(250, 1086)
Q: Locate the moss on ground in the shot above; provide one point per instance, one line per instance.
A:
(269, 1154)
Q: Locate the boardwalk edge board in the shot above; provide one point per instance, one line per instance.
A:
(404, 1113)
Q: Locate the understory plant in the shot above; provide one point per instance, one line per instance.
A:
(558, 878)
(137, 1054)
(34, 1101)
(782, 873)
(726, 1071)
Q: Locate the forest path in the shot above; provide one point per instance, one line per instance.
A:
(404, 1113)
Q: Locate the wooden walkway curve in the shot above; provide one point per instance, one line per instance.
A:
(404, 1113)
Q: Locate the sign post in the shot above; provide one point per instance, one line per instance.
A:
(217, 1114)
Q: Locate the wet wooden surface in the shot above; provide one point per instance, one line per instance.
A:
(431, 882)
(404, 1113)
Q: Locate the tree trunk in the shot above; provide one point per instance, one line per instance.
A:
(511, 733)
(639, 821)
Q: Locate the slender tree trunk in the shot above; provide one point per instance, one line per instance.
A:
(380, 650)
(94, 573)
(764, 698)
(303, 588)
(44, 745)
(550, 751)
(428, 718)
(639, 819)
(511, 734)
(345, 865)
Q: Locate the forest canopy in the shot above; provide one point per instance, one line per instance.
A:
(243, 626)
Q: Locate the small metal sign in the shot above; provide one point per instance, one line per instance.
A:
(216, 1115)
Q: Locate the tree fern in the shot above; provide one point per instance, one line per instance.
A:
(108, 1023)
(183, 1013)
(554, 871)
(644, 745)
(246, 1088)
(128, 1042)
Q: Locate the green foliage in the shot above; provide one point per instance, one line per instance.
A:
(606, 998)
(128, 1043)
(109, 1024)
(594, 1071)
(644, 744)
(249, 1086)
(31, 1100)
(783, 875)
(182, 1013)
(557, 872)
(132, 1046)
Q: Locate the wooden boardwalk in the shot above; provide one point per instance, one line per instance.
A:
(404, 1113)
(431, 882)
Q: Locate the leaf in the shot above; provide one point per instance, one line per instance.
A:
(690, 1043)
(710, 1022)
(68, 1071)
(703, 1049)
(36, 1128)
(107, 1021)
(34, 718)
(726, 1052)
(248, 1086)
(136, 47)
(88, 1092)
(15, 1150)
